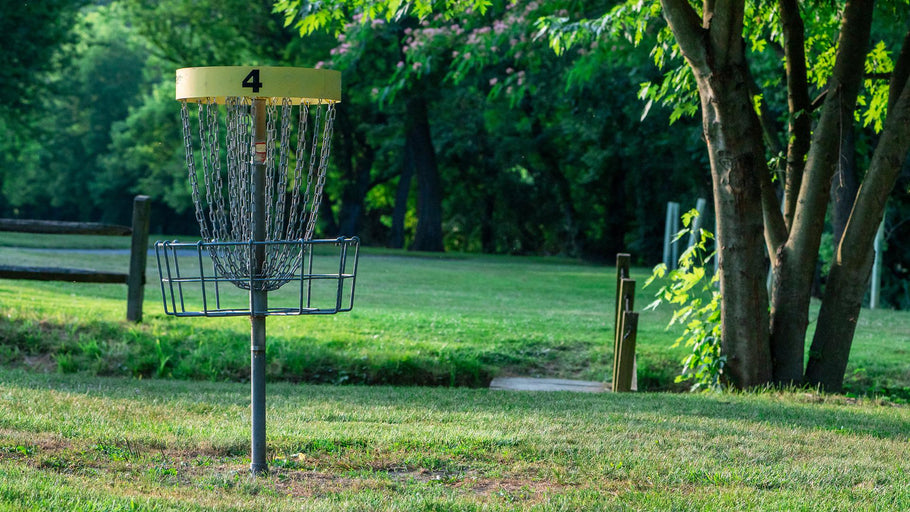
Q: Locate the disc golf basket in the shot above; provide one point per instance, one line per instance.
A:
(256, 163)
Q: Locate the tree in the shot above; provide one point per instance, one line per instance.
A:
(357, 38)
(34, 33)
(768, 346)
(37, 39)
(520, 173)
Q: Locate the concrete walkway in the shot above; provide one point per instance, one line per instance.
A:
(530, 384)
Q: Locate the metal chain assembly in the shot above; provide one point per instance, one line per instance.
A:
(223, 197)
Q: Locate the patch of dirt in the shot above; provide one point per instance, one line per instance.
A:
(42, 364)
(207, 467)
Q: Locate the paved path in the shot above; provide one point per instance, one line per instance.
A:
(530, 384)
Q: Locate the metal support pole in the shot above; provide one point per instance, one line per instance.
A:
(671, 227)
(258, 295)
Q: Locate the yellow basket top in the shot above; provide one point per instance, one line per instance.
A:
(300, 85)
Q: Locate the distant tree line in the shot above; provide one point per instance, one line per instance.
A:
(517, 155)
(465, 133)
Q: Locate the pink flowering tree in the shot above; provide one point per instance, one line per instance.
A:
(493, 60)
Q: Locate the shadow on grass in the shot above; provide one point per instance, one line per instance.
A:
(187, 352)
(633, 411)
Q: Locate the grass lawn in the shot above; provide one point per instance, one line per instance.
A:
(70, 442)
(100, 414)
(418, 319)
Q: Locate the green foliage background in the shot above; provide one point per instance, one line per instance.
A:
(539, 152)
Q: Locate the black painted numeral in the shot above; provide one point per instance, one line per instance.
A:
(252, 81)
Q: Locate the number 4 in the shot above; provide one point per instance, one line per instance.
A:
(252, 81)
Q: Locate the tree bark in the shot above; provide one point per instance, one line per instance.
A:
(402, 193)
(849, 274)
(844, 185)
(798, 104)
(355, 160)
(794, 266)
(713, 48)
(428, 236)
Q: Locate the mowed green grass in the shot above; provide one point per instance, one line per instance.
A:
(422, 319)
(417, 319)
(87, 422)
(70, 442)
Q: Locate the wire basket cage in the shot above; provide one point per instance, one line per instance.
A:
(320, 281)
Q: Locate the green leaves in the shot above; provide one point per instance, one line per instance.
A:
(693, 291)
(331, 15)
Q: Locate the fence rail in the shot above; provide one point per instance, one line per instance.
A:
(134, 279)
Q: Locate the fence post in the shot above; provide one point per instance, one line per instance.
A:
(622, 272)
(623, 381)
(694, 235)
(138, 254)
(671, 227)
(623, 360)
(875, 294)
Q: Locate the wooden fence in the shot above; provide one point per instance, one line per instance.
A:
(626, 329)
(134, 279)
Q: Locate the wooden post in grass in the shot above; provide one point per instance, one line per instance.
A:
(626, 330)
(138, 254)
(622, 272)
(623, 381)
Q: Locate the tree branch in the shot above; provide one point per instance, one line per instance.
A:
(799, 124)
(688, 31)
(822, 158)
(724, 21)
(775, 228)
(887, 161)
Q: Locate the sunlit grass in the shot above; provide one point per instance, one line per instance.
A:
(417, 319)
(170, 445)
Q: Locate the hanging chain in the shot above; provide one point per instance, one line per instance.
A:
(309, 196)
(270, 181)
(293, 231)
(224, 209)
(191, 167)
(285, 146)
(323, 167)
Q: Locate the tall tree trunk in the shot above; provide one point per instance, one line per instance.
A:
(736, 161)
(713, 48)
(849, 275)
(428, 236)
(844, 186)
(795, 261)
(355, 162)
(402, 192)
(562, 189)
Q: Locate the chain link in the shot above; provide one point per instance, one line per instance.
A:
(323, 167)
(224, 208)
(191, 167)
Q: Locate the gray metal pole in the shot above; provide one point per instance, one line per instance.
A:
(668, 236)
(258, 296)
(877, 267)
(694, 235)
